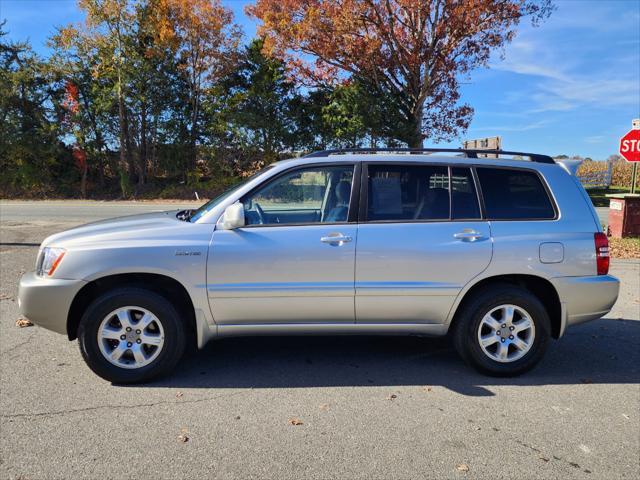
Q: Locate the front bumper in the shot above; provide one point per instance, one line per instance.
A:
(585, 298)
(46, 301)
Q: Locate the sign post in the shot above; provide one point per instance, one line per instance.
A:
(489, 143)
(630, 150)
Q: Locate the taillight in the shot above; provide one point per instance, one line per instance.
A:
(602, 252)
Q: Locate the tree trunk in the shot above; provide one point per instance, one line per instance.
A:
(415, 132)
(154, 145)
(100, 169)
(83, 180)
(123, 167)
(125, 144)
(98, 137)
(195, 113)
(142, 160)
(127, 141)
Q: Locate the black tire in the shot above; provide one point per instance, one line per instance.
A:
(174, 335)
(467, 323)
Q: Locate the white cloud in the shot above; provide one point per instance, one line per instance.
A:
(596, 139)
(515, 128)
(585, 92)
(570, 66)
(528, 58)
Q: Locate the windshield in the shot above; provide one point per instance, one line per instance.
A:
(207, 207)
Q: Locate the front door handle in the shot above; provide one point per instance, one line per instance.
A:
(336, 239)
(468, 235)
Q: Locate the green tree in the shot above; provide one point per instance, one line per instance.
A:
(30, 152)
(256, 104)
(205, 41)
(89, 106)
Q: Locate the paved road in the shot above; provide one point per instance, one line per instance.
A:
(370, 407)
(79, 211)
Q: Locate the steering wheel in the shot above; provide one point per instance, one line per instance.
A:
(260, 212)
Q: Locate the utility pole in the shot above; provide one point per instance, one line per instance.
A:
(635, 125)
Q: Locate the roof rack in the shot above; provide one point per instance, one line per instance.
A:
(469, 153)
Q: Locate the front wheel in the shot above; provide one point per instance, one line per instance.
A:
(502, 331)
(131, 335)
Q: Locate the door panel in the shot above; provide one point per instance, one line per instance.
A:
(412, 272)
(412, 260)
(282, 275)
(287, 265)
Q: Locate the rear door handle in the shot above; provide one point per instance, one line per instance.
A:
(468, 235)
(336, 239)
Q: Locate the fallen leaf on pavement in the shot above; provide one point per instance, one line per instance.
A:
(624, 247)
(183, 437)
(295, 421)
(23, 322)
(463, 467)
(179, 394)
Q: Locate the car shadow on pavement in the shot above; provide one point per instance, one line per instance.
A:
(603, 352)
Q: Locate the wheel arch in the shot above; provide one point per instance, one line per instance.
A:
(542, 288)
(163, 285)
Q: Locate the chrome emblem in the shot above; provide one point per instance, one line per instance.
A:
(187, 253)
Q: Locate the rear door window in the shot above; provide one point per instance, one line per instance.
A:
(407, 192)
(464, 199)
(513, 194)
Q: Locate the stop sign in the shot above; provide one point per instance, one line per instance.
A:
(630, 146)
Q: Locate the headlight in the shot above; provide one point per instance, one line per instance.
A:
(48, 260)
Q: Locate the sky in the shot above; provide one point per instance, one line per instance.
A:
(570, 86)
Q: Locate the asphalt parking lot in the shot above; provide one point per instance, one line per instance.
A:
(366, 407)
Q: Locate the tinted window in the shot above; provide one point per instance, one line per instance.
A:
(310, 195)
(408, 192)
(464, 200)
(514, 194)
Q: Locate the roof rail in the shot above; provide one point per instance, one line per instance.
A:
(469, 153)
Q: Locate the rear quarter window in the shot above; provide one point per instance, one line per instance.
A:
(512, 194)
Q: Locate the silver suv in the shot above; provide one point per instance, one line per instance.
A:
(503, 254)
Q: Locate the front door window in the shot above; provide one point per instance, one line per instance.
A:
(303, 196)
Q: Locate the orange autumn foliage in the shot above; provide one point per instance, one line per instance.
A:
(414, 50)
(201, 31)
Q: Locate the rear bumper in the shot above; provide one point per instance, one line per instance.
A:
(46, 301)
(585, 298)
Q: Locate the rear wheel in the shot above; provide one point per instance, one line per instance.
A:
(131, 335)
(503, 330)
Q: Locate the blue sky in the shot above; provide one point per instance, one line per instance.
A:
(570, 86)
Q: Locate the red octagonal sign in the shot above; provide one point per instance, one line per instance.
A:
(630, 146)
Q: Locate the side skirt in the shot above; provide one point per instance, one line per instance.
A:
(332, 329)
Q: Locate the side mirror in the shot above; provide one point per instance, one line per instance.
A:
(233, 216)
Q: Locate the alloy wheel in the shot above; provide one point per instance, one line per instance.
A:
(130, 337)
(506, 333)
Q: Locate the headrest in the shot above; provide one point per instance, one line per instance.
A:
(343, 190)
